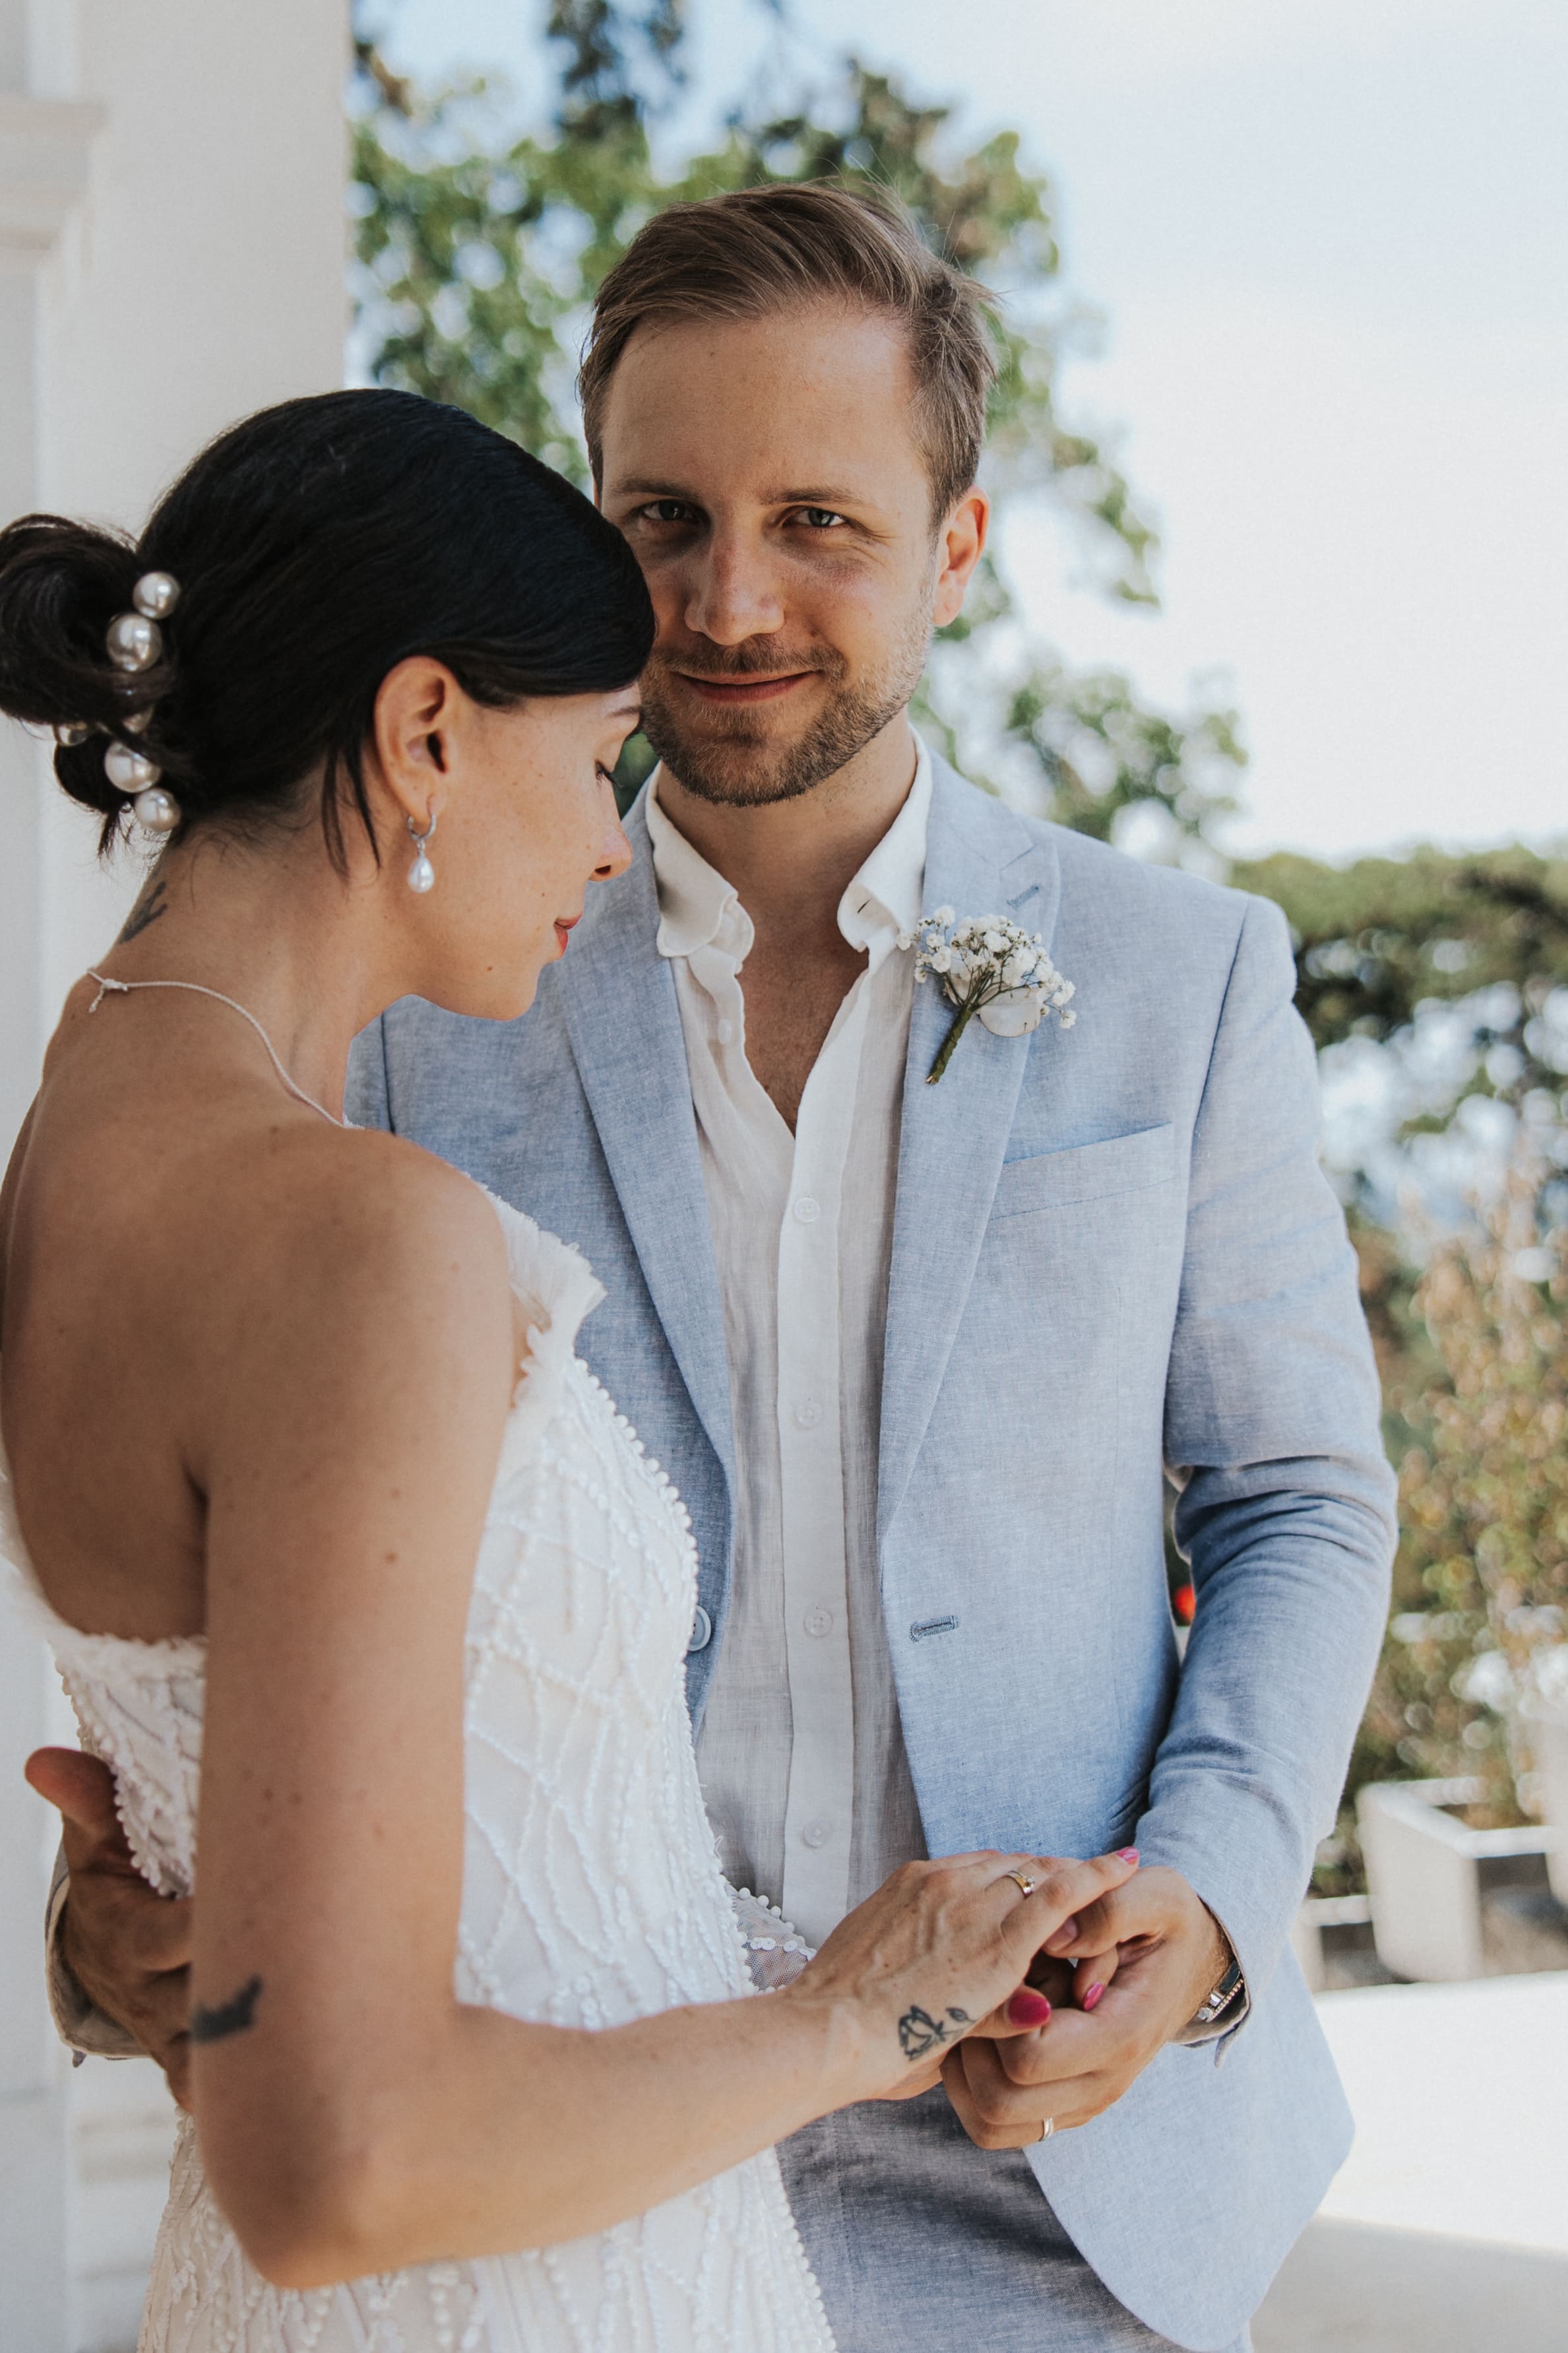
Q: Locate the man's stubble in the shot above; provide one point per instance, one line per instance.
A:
(735, 764)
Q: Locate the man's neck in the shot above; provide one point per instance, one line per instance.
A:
(790, 863)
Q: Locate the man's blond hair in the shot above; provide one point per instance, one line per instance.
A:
(757, 251)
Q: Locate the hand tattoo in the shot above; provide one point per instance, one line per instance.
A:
(919, 2033)
(232, 2017)
(147, 910)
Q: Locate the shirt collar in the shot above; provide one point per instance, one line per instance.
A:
(882, 899)
(693, 897)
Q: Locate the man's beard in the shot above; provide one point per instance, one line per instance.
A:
(736, 766)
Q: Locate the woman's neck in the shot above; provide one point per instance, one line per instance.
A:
(279, 931)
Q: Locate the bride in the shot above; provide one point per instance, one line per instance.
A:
(343, 1556)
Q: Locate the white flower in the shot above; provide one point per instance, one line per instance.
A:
(987, 965)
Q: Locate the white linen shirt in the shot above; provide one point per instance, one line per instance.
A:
(803, 1229)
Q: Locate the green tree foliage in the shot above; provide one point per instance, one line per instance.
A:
(1379, 941)
(1474, 1357)
(1483, 1569)
(1100, 752)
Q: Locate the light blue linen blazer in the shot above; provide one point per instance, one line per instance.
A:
(1114, 1250)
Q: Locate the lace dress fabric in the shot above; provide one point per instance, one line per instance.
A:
(592, 1894)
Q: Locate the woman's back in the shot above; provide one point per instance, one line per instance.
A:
(148, 1200)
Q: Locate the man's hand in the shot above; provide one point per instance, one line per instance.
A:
(128, 1947)
(1157, 1952)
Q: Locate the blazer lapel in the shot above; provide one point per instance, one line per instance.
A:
(624, 1021)
(979, 859)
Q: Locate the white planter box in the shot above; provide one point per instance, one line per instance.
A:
(1423, 1875)
(1546, 1728)
(1318, 1913)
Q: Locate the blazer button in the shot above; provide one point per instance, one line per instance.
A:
(701, 1631)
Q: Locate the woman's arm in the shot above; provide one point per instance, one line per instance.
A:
(354, 2115)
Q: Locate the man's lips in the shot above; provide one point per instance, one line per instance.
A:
(564, 926)
(741, 690)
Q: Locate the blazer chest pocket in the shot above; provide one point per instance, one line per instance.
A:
(1087, 1172)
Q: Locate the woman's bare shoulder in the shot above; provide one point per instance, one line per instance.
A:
(360, 1224)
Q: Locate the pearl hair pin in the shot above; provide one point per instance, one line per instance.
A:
(130, 772)
(135, 642)
(156, 594)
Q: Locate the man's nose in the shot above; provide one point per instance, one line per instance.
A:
(732, 593)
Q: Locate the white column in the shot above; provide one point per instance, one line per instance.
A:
(171, 258)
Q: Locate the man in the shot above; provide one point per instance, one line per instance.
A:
(917, 1356)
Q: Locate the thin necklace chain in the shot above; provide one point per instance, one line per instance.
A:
(123, 989)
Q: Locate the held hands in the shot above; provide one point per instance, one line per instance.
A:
(127, 1947)
(925, 1982)
(1155, 1952)
(935, 1956)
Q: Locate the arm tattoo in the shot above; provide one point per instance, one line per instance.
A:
(147, 910)
(232, 2017)
(919, 2032)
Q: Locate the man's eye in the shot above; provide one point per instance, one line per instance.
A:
(820, 518)
(667, 510)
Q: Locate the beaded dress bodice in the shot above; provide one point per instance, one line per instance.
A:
(591, 1890)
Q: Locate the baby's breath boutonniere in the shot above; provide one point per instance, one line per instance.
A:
(989, 967)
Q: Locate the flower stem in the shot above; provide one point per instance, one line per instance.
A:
(970, 1006)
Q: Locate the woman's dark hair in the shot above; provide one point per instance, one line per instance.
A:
(316, 545)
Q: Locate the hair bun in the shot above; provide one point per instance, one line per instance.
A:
(61, 584)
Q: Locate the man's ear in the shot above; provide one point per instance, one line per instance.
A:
(961, 543)
(416, 713)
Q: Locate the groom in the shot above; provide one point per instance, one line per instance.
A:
(918, 1357)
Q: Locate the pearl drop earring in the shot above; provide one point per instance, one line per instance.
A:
(422, 874)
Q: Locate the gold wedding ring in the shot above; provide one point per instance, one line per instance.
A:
(1026, 1885)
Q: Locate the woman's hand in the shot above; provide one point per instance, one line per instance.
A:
(936, 1956)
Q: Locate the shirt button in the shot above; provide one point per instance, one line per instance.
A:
(818, 1620)
(701, 1630)
(816, 1834)
(807, 1211)
(726, 1031)
(808, 1413)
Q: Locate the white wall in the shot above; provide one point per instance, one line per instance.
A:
(171, 257)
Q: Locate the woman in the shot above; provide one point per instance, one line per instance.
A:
(297, 1447)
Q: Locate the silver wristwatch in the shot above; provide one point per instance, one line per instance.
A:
(1219, 2000)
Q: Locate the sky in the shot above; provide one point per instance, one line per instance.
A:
(1329, 247)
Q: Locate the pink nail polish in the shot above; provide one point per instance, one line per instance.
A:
(1091, 1998)
(1028, 2009)
(1126, 1854)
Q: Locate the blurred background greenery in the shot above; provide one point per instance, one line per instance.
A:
(1435, 985)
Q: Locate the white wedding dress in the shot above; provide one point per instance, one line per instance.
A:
(591, 1890)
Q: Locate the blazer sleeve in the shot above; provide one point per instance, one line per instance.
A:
(78, 2023)
(1285, 1506)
